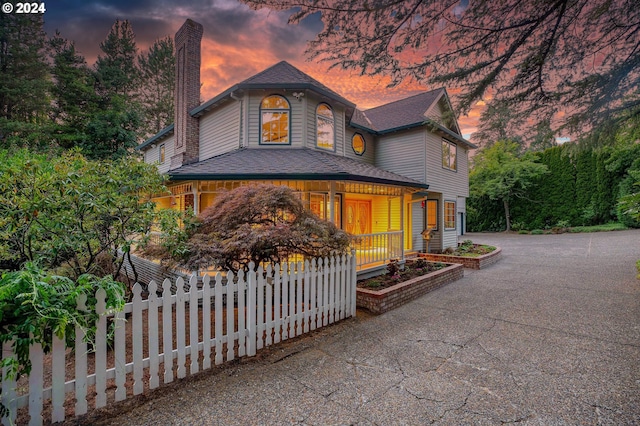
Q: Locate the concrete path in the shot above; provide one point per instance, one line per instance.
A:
(549, 335)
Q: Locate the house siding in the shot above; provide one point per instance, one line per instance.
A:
(220, 130)
(450, 185)
(436, 111)
(403, 153)
(151, 154)
(417, 225)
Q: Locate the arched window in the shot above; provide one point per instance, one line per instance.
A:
(275, 114)
(325, 128)
(358, 144)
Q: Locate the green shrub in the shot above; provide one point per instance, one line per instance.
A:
(537, 232)
(611, 226)
(523, 232)
(638, 268)
(517, 226)
(34, 305)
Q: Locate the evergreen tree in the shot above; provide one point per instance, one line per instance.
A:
(157, 72)
(73, 93)
(24, 81)
(557, 189)
(112, 131)
(116, 70)
(585, 163)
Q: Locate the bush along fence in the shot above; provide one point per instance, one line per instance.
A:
(157, 339)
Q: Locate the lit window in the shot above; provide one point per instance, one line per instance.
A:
(432, 214)
(449, 215)
(358, 144)
(325, 128)
(274, 120)
(449, 154)
(161, 154)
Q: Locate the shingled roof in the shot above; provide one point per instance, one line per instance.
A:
(404, 114)
(400, 114)
(288, 163)
(282, 75)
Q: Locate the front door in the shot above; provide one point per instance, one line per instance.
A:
(358, 216)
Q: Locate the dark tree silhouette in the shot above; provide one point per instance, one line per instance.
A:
(572, 63)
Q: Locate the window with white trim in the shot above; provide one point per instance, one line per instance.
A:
(449, 215)
(325, 128)
(161, 154)
(432, 214)
(275, 117)
(449, 155)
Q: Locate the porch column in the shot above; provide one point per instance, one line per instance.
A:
(196, 198)
(332, 196)
(402, 222)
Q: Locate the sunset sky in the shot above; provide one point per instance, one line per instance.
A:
(238, 42)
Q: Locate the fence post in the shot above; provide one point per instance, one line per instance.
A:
(206, 322)
(36, 383)
(81, 363)
(251, 307)
(242, 314)
(167, 331)
(137, 343)
(217, 296)
(181, 337)
(354, 280)
(153, 338)
(101, 351)
(193, 324)
(8, 388)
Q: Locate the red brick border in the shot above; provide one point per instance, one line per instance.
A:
(380, 301)
(479, 262)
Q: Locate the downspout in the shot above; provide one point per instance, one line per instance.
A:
(235, 97)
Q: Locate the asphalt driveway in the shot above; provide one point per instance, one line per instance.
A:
(548, 335)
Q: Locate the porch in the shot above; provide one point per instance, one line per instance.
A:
(384, 218)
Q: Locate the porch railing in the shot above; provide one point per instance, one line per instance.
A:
(377, 249)
(371, 249)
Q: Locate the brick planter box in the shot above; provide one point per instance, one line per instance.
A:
(479, 262)
(380, 301)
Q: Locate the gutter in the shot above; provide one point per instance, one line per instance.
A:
(295, 176)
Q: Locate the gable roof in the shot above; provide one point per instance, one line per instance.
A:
(406, 114)
(282, 75)
(402, 113)
(288, 163)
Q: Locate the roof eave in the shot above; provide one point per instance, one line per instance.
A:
(450, 133)
(296, 176)
(200, 110)
(366, 129)
(400, 128)
(297, 86)
(164, 133)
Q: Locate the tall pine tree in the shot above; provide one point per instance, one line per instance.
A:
(73, 94)
(24, 81)
(112, 131)
(157, 73)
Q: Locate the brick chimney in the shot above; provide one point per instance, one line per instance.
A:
(187, 96)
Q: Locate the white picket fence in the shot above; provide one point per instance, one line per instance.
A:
(260, 311)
